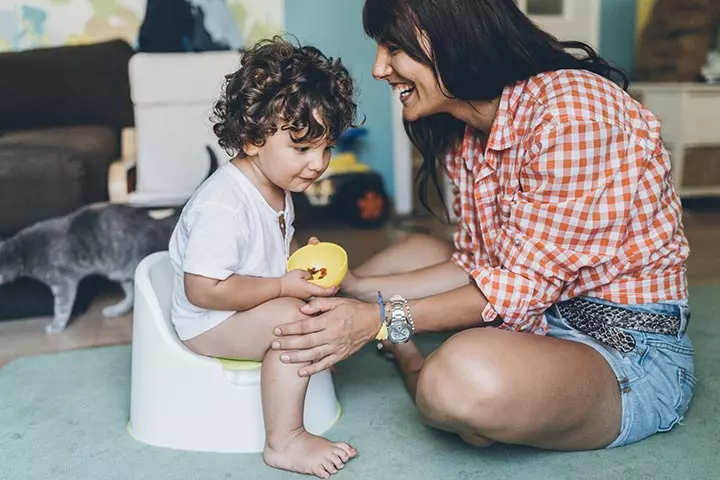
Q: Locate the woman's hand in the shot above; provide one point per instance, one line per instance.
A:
(340, 328)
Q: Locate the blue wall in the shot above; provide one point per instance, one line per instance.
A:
(335, 26)
(617, 33)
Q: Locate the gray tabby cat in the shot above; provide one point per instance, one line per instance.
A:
(104, 239)
(100, 239)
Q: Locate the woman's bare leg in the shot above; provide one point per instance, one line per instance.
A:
(410, 362)
(414, 252)
(247, 336)
(522, 389)
(516, 384)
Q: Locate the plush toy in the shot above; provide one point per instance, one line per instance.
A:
(348, 190)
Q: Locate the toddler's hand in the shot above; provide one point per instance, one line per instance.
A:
(295, 284)
(352, 284)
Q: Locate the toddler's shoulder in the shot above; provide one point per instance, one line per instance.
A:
(220, 191)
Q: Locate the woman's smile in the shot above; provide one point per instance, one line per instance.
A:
(404, 90)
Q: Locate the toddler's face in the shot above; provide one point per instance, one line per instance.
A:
(289, 165)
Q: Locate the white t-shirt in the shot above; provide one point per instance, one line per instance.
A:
(227, 227)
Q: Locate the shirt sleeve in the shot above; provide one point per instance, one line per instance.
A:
(462, 255)
(215, 242)
(461, 240)
(567, 218)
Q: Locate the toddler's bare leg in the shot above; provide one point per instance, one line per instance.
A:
(289, 446)
(248, 335)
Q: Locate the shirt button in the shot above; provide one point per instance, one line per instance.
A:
(518, 241)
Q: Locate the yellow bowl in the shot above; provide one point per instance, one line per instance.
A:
(327, 262)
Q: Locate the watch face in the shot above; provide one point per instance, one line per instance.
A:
(399, 332)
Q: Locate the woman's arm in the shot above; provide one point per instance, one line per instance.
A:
(420, 283)
(457, 309)
(340, 327)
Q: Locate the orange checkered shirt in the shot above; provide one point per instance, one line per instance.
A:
(570, 194)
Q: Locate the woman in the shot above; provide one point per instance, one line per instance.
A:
(567, 277)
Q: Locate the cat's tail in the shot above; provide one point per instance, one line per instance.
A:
(214, 164)
(171, 220)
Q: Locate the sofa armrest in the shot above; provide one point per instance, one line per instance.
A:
(121, 180)
(122, 173)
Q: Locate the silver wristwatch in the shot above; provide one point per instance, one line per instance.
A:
(400, 324)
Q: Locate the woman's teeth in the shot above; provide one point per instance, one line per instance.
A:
(403, 90)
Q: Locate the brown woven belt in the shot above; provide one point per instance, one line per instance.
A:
(605, 322)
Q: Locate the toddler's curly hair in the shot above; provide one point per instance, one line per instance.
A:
(280, 85)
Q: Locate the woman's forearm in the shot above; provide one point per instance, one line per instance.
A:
(457, 309)
(421, 283)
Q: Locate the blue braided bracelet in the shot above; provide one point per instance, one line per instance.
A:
(381, 302)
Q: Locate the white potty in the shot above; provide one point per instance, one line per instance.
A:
(187, 401)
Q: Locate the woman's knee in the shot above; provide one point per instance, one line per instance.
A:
(460, 384)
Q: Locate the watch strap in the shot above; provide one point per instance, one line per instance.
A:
(400, 311)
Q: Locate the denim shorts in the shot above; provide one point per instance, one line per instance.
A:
(656, 379)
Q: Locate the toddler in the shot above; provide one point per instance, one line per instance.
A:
(279, 115)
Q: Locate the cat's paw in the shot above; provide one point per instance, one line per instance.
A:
(114, 311)
(54, 328)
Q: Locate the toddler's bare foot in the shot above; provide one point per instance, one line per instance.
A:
(305, 453)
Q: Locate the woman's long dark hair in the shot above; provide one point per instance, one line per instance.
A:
(478, 47)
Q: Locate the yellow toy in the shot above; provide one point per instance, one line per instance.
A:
(326, 262)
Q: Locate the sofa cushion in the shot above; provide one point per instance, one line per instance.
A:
(37, 183)
(96, 147)
(69, 85)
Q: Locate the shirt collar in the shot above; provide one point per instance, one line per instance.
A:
(502, 134)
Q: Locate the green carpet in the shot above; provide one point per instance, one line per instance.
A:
(63, 417)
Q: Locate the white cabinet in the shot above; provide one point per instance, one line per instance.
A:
(690, 116)
(577, 20)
